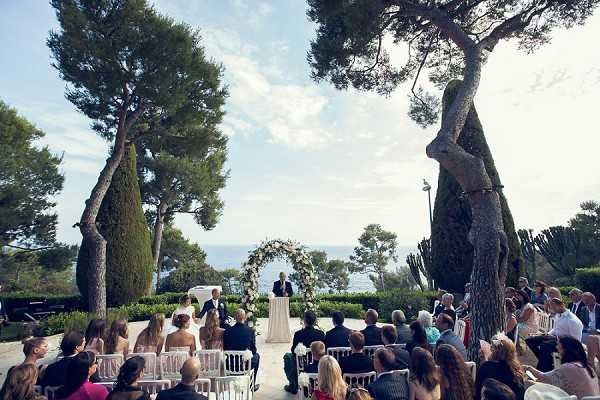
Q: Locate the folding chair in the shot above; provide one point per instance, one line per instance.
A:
(108, 385)
(339, 352)
(210, 361)
(361, 380)
(154, 386)
(170, 363)
(305, 392)
(472, 368)
(150, 364)
(302, 361)
(236, 365)
(202, 385)
(370, 350)
(109, 366)
(234, 387)
(49, 392)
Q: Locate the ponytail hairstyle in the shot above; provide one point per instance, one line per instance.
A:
(77, 373)
(130, 371)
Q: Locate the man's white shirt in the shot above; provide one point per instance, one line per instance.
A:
(567, 324)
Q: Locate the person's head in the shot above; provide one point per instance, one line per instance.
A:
(155, 327)
(510, 307)
(539, 286)
(444, 322)
(330, 378)
(185, 300)
(571, 350)
(359, 393)
(79, 370)
(556, 306)
(384, 360)
(389, 334)
(419, 335)
(588, 299)
(504, 350)
(467, 287)
(423, 369)
(119, 328)
(131, 371)
(523, 282)
(552, 292)
(575, 295)
(317, 348)
(522, 297)
(310, 318)
(73, 342)
(282, 276)
(181, 321)
(371, 317)
(447, 300)
(510, 292)
(398, 317)
(240, 316)
(216, 293)
(190, 370)
(496, 390)
(338, 318)
(441, 294)
(35, 348)
(20, 382)
(455, 377)
(425, 318)
(357, 341)
(212, 320)
(95, 330)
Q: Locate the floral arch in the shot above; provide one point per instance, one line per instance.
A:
(269, 251)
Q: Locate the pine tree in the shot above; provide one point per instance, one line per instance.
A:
(123, 225)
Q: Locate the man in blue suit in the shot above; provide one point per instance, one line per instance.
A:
(217, 304)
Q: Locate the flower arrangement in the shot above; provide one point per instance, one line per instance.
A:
(300, 349)
(247, 356)
(303, 380)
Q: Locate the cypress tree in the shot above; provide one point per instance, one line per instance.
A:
(128, 252)
(452, 254)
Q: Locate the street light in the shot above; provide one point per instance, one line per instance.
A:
(427, 188)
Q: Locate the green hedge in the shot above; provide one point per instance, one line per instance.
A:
(588, 279)
(409, 302)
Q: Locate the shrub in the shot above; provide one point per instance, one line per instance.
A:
(588, 279)
(14, 301)
(409, 302)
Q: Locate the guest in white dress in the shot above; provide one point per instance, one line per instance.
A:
(186, 308)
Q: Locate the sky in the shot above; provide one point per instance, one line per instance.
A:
(316, 165)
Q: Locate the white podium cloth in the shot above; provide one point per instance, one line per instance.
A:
(279, 320)
(202, 294)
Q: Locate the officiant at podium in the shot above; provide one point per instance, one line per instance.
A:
(282, 288)
(217, 304)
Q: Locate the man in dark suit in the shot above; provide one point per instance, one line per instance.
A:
(282, 288)
(190, 371)
(524, 285)
(317, 350)
(402, 328)
(372, 332)
(72, 344)
(389, 385)
(389, 336)
(240, 338)
(357, 362)
(445, 325)
(338, 336)
(306, 336)
(217, 304)
(577, 306)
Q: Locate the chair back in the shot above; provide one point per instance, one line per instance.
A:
(584, 398)
(544, 321)
(150, 364)
(210, 361)
(472, 367)
(180, 349)
(339, 352)
(302, 361)
(397, 346)
(170, 363)
(233, 387)
(403, 374)
(370, 350)
(37, 389)
(108, 385)
(306, 389)
(49, 392)
(360, 380)
(235, 364)
(154, 386)
(201, 385)
(459, 329)
(109, 366)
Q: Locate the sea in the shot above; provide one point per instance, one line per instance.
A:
(233, 256)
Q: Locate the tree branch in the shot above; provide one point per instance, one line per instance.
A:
(29, 249)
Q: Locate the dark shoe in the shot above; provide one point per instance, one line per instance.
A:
(256, 387)
(290, 389)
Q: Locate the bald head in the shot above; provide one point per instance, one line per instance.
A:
(240, 315)
(588, 299)
(190, 371)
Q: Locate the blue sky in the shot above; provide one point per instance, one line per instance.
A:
(314, 164)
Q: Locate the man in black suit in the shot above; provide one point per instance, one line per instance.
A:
(317, 350)
(240, 338)
(445, 325)
(389, 385)
(357, 362)
(372, 332)
(577, 306)
(282, 288)
(72, 344)
(389, 336)
(190, 371)
(306, 336)
(338, 336)
(217, 304)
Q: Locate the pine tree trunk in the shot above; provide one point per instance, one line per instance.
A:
(159, 224)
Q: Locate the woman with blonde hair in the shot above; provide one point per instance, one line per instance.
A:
(331, 383)
(211, 334)
(20, 383)
(502, 365)
(151, 340)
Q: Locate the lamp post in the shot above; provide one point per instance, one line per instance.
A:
(427, 188)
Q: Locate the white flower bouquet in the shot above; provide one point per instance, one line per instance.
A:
(301, 349)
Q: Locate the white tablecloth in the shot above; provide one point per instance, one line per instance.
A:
(279, 320)
(202, 294)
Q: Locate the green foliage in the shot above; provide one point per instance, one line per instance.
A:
(420, 265)
(191, 275)
(402, 278)
(560, 247)
(587, 225)
(333, 275)
(177, 251)
(588, 279)
(452, 254)
(231, 281)
(122, 224)
(409, 302)
(527, 243)
(376, 248)
(29, 178)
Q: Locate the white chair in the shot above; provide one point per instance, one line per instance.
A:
(38, 390)
(235, 365)
(305, 392)
(49, 392)
(210, 361)
(544, 321)
(150, 364)
(472, 368)
(302, 361)
(403, 374)
(459, 329)
(588, 397)
(397, 346)
(154, 386)
(370, 350)
(233, 387)
(202, 385)
(180, 349)
(108, 366)
(170, 363)
(360, 380)
(339, 352)
(108, 385)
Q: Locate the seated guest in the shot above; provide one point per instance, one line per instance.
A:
(34, 349)
(592, 329)
(575, 376)
(240, 337)
(317, 350)
(510, 292)
(127, 387)
(463, 308)
(551, 293)
(388, 386)
(424, 376)
(306, 336)
(577, 306)
(502, 365)
(524, 285)
(77, 383)
(419, 337)
(357, 362)
(445, 325)
(54, 375)
(331, 385)
(20, 382)
(495, 390)
(151, 339)
(539, 297)
(438, 306)
(211, 334)
(402, 328)
(456, 382)
(426, 320)
(511, 320)
(94, 336)
(190, 371)
(527, 315)
(389, 337)
(447, 301)
(565, 324)
(359, 393)
(116, 342)
(338, 336)
(372, 333)
(181, 338)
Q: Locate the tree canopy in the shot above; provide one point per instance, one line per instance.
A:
(377, 247)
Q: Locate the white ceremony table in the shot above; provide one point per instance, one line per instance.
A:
(202, 294)
(279, 320)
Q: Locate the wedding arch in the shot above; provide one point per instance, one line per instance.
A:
(269, 251)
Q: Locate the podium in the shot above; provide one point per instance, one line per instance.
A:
(279, 320)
